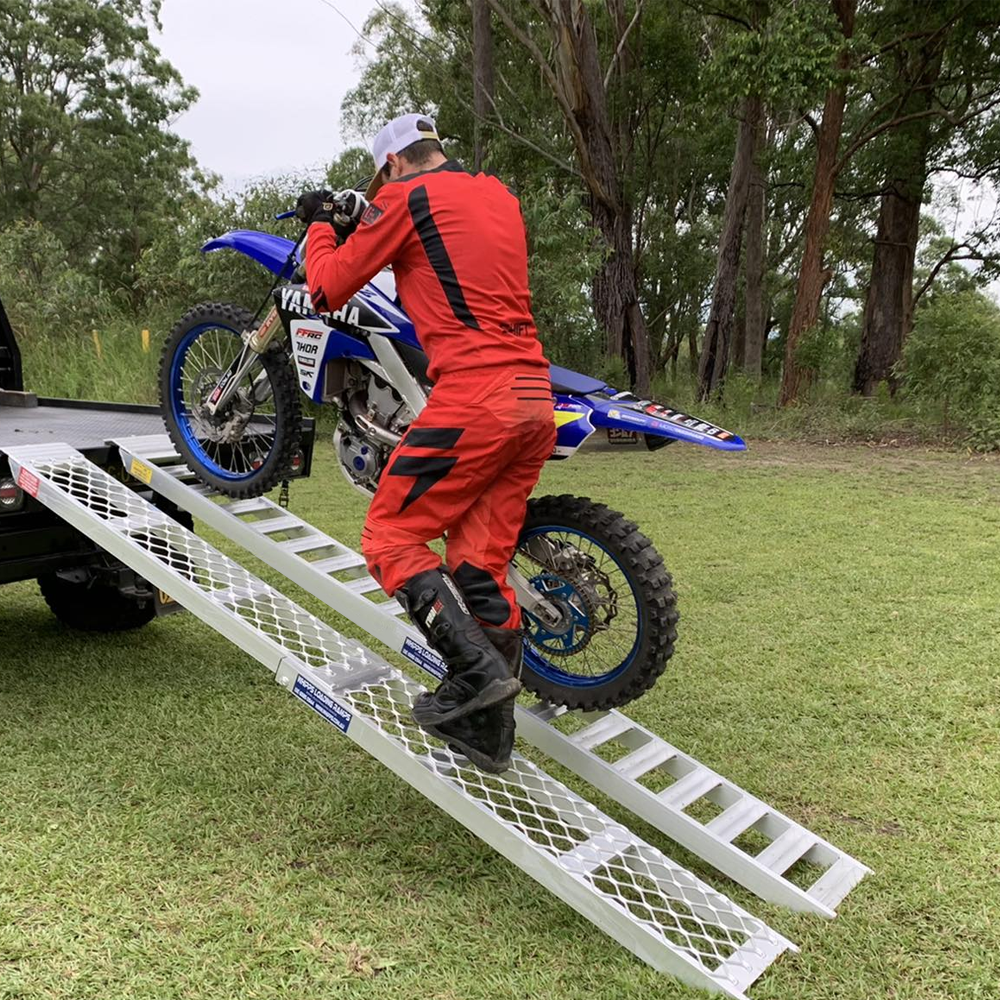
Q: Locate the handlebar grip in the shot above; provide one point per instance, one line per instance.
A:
(284, 215)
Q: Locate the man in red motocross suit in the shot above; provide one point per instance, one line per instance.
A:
(469, 461)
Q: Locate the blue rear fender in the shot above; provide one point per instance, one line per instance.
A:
(270, 251)
(646, 417)
(610, 408)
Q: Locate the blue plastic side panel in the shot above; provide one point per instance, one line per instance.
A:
(339, 345)
(393, 312)
(270, 251)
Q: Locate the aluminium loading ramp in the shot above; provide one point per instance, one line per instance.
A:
(628, 888)
(337, 575)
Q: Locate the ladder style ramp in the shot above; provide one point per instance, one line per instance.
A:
(731, 829)
(629, 889)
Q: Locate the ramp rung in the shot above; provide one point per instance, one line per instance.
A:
(737, 819)
(642, 761)
(335, 564)
(307, 543)
(363, 585)
(602, 731)
(783, 852)
(254, 505)
(180, 471)
(837, 881)
(271, 525)
(690, 788)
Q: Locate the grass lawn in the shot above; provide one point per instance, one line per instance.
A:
(172, 824)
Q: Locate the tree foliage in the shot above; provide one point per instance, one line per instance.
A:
(619, 124)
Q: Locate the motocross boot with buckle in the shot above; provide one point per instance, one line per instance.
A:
(478, 676)
(486, 736)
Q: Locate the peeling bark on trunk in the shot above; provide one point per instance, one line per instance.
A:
(718, 329)
(737, 347)
(482, 76)
(753, 345)
(812, 275)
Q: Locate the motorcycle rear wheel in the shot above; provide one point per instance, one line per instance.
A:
(256, 450)
(618, 609)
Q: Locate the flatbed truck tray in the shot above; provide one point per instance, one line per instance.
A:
(88, 426)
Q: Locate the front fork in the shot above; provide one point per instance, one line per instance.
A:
(255, 342)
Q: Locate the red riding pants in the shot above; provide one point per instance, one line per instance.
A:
(466, 466)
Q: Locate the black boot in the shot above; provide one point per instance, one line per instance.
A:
(478, 676)
(486, 736)
(509, 642)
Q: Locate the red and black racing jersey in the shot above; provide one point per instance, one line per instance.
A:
(456, 243)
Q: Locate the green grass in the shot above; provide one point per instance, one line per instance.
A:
(109, 365)
(173, 825)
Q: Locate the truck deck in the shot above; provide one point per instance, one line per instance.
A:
(86, 426)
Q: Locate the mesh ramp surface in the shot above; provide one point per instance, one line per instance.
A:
(742, 836)
(629, 889)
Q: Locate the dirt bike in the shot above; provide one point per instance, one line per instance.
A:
(598, 603)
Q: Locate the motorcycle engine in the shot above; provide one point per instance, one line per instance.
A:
(380, 419)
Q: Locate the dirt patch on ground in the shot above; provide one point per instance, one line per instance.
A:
(852, 457)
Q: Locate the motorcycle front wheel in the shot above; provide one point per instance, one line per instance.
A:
(615, 612)
(249, 446)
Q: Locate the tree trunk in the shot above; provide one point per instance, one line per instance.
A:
(576, 79)
(888, 305)
(754, 263)
(482, 77)
(615, 289)
(737, 346)
(888, 312)
(718, 329)
(812, 275)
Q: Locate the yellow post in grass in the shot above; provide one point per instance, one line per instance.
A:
(145, 341)
(97, 346)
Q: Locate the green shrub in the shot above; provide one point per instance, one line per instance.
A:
(952, 358)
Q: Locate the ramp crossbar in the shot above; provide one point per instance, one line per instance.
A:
(646, 774)
(628, 888)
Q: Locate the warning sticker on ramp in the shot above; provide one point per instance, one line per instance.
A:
(141, 471)
(322, 704)
(28, 482)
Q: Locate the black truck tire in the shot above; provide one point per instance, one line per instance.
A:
(93, 607)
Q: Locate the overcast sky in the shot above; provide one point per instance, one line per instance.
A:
(271, 74)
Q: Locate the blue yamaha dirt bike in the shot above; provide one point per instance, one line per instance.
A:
(598, 604)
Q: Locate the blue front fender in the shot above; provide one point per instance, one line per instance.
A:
(270, 251)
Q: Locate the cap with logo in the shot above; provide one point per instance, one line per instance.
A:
(394, 138)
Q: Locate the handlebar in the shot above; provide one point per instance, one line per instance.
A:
(284, 215)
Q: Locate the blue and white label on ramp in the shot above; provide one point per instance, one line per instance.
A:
(322, 704)
(424, 659)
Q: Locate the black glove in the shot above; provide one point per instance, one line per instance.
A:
(315, 206)
(341, 210)
(348, 206)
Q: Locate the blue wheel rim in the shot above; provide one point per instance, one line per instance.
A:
(564, 590)
(182, 416)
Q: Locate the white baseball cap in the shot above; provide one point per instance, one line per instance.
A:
(394, 138)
